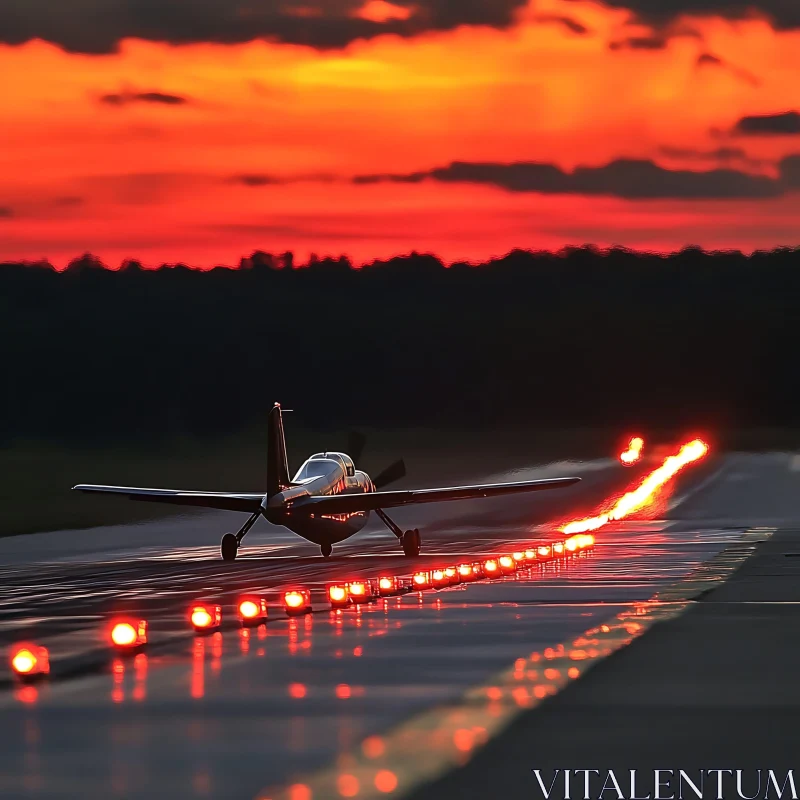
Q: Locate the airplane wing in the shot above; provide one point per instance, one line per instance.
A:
(348, 503)
(222, 500)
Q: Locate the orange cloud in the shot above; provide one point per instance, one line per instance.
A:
(156, 179)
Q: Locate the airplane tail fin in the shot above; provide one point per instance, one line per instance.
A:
(277, 463)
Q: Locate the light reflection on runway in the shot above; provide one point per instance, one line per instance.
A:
(226, 714)
(295, 692)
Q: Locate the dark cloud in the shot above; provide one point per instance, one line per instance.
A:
(790, 171)
(705, 60)
(782, 124)
(654, 42)
(102, 24)
(6, 212)
(709, 60)
(256, 180)
(724, 154)
(784, 14)
(262, 179)
(627, 178)
(567, 22)
(157, 98)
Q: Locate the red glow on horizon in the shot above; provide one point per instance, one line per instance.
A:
(645, 493)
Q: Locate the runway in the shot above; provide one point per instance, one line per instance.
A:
(255, 713)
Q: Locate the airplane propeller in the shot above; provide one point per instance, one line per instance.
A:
(356, 443)
(392, 473)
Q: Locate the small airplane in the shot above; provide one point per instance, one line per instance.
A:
(327, 501)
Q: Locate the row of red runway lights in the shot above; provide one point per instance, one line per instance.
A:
(30, 661)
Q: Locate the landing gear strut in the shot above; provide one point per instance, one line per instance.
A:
(231, 541)
(326, 550)
(411, 540)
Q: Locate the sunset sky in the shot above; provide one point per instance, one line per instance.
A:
(199, 131)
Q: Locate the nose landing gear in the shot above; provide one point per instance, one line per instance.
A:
(326, 550)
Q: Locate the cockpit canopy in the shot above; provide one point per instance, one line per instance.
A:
(346, 462)
(319, 466)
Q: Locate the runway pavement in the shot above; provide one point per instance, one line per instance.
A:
(275, 711)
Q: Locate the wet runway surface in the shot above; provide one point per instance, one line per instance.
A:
(230, 714)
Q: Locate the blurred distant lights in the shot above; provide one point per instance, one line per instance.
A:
(634, 451)
(645, 493)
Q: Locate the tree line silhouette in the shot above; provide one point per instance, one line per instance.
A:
(582, 337)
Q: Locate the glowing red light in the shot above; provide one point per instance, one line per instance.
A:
(338, 595)
(452, 575)
(466, 573)
(29, 661)
(421, 580)
(439, 579)
(385, 781)
(387, 586)
(507, 565)
(491, 569)
(530, 554)
(634, 451)
(205, 617)
(252, 611)
(645, 493)
(360, 591)
(297, 601)
(558, 548)
(544, 551)
(129, 634)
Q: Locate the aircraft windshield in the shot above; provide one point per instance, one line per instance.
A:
(317, 468)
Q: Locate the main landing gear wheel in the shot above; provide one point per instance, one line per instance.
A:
(229, 546)
(326, 550)
(411, 542)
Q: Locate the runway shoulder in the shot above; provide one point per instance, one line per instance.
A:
(713, 686)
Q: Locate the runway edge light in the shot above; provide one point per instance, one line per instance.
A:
(205, 617)
(507, 565)
(388, 585)
(338, 595)
(128, 635)
(297, 602)
(439, 579)
(421, 580)
(30, 661)
(252, 611)
(491, 569)
(360, 591)
(452, 575)
(467, 573)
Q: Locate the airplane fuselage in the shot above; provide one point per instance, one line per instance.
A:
(324, 474)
